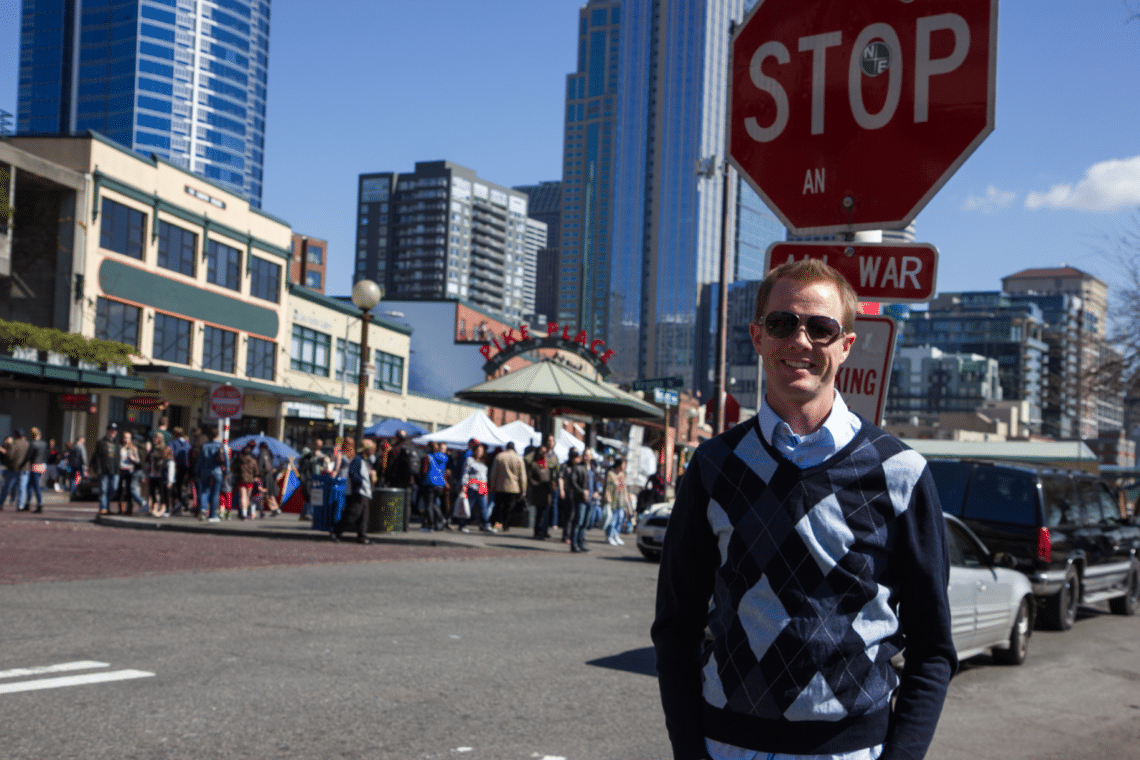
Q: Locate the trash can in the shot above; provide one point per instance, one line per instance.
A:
(388, 510)
(328, 508)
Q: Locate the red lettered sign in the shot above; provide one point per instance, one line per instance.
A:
(864, 378)
(849, 115)
(878, 271)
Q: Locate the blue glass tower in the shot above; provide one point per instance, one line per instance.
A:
(667, 224)
(184, 79)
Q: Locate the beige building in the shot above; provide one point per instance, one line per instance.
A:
(140, 251)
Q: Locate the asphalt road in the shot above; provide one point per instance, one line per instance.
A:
(263, 648)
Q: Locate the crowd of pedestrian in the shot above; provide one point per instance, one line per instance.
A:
(452, 490)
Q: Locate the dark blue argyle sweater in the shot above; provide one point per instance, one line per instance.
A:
(809, 582)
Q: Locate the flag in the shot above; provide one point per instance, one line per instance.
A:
(289, 486)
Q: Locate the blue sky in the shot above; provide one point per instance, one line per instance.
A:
(372, 85)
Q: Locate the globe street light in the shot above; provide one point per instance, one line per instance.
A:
(365, 294)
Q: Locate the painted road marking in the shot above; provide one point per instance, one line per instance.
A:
(60, 668)
(56, 683)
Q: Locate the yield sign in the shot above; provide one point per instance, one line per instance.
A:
(883, 272)
(850, 115)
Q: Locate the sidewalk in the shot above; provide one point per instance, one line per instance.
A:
(288, 526)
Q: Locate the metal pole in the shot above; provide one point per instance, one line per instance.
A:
(343, 377)
(365, 318)
(722, 307)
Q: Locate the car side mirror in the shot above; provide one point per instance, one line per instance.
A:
(1004, 559)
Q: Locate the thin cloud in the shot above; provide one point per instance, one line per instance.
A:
(1108, 186)
(990, 202)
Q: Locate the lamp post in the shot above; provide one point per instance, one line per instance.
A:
(365, 294)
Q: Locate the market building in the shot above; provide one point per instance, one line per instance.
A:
(106, 244)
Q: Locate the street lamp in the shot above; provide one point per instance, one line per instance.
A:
(365, 294)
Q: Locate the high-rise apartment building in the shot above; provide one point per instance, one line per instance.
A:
(533, 243)
(442, 232)
(183, 79)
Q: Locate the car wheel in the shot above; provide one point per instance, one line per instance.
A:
(652, 556)
(1018, 638)
(1061, 611)
(1130, 602)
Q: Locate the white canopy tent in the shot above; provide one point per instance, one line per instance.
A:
(522, 434)
(563, 442)
(478, 426)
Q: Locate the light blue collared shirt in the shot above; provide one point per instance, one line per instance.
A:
(837, 431)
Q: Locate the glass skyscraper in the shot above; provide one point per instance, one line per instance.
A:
(641, 229)
(184, 79)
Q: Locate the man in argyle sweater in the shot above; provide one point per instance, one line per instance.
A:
(810, 543)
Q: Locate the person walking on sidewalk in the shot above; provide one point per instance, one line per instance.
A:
(578, 494)
(358, 493)
(16, 469)
(77, 463)
(211, 470)
(508, 483)
(130, 475)
(615, 498)
(37, 468)
(105, 466)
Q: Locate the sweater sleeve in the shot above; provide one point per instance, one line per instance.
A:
(689, 559)
(924, 614)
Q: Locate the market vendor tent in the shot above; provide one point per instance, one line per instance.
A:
(478, 426)
(522, 434)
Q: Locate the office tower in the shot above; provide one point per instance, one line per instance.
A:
(309, 262)
(671, 81)
(441, 232)
(544, 204)
(184, 80)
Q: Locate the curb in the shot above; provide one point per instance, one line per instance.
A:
(214, 529)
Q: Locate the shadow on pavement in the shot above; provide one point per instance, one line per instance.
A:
(641, 661)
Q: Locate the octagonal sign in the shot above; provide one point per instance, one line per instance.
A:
(851, 115)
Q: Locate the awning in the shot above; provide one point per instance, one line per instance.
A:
(543, 386)
(264, 388)
(44, 373)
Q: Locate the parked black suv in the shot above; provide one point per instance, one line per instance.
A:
(1063, 527)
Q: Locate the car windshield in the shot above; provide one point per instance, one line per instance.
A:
(1002, 495)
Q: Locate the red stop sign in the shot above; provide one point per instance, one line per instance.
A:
(226, 401)
(851, 115)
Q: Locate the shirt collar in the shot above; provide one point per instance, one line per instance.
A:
(842, 424)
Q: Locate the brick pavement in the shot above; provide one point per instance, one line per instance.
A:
(68, 542)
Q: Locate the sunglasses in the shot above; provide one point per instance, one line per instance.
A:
(784, 324)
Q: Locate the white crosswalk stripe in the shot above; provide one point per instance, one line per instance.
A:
(63, 681)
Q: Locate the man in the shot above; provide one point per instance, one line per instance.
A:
(77, 462)
(180, 448)
(542, 474)
(358, 495)
(16, 469)
(37, 466)
(211, 467)
(167, 436)
(403, 468)
(508, 482)
(105, 465)
(577, 486)
(819, 539)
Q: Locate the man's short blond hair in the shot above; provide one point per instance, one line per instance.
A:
(804, 272)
